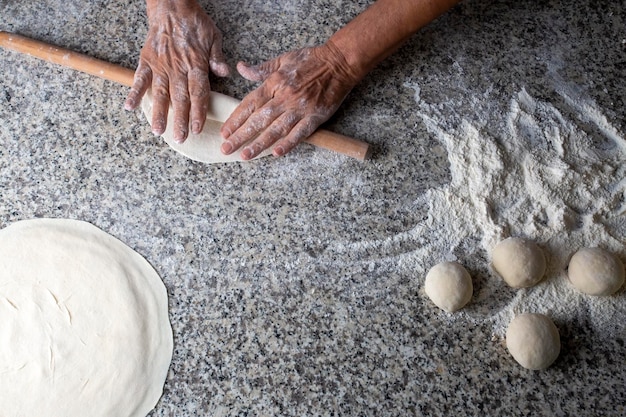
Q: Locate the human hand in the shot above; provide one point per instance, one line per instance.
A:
(182, 46)
(300, 90)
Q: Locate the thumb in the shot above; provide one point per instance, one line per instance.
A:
(259, 72)
(217, 62)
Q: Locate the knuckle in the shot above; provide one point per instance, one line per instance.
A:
(198, 75)
(199, 109)
(133, 93)
(250, 130)
(160, 85)
(181, 125)
(141, 78)
(236, 140)
(265, 115)
(283, 127)
(294, 140)
(199, 90)
(277, 130)
(180, 95)
(291, 119)
(258, 147)
(160, 92)
(303, 131)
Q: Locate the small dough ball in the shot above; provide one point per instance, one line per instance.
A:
(519, 262)
(533, 341)
(595, 271)
(449, 286)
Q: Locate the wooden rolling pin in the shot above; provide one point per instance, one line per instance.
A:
(321, 138)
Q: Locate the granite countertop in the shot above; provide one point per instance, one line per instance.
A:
(282, 301)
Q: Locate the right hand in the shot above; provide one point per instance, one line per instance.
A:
(182, 46)
(299, 91)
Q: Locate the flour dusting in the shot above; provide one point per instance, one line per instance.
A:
(532, 172)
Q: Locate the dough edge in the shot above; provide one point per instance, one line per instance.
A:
(205, 146)
(162, 354)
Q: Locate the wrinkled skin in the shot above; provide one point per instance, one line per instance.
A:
(300, 90)
(182, 46)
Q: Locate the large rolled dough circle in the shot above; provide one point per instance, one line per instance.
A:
(205, 146)
(84, 327)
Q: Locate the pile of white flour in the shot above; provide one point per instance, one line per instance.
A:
(535, 172)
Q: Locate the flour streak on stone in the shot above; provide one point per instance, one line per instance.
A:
(529, 171)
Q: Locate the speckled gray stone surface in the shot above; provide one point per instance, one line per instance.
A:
(267, 321)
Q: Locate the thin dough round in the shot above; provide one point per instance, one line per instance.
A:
(205, 146)
(596, 271)
(85, 328)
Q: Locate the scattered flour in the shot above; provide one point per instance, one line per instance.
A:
(546, 179)
(532, 172)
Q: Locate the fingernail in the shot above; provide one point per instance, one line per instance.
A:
(246, 153)
(158, 128)
(227, 148)
(279, 151)
(195, 128)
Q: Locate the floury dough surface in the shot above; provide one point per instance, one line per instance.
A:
(296, 284)
(449, 286)
(595, 271)
(533, 340)
(85, 328)
(520, 262)
(204, 146)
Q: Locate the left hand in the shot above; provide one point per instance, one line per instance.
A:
(182, 47)
(300, 91)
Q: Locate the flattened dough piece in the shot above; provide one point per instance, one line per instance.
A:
(205, 146)
(84, 323)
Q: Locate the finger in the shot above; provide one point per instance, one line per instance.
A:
(181, 104)
(160, 104)
(248, 105)
(259, 72)
(255, 124)
(300, 132)
(199, 92)
(278, 129)
(141, 82)
(217, 62)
